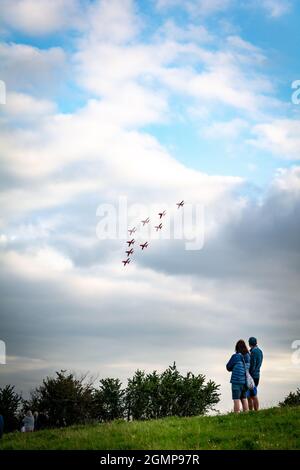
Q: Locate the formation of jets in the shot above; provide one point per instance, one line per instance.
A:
(144, 245)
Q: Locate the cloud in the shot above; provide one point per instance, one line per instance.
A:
(16, 202)
(114, 21)
(204, 8)
(191, 32)
(204, 75)
(287, 181)
(197, 7)
(239, 44)
(23, 107)
(42, 69)
(39, 18)
(167, 306)
(256, 250)
(208, 7)
(228, 129)
(275, 8)
(280, 137)
(38, 264)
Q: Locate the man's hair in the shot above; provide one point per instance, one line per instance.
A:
(252, 341)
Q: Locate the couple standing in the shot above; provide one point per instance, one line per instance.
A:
(240, 364)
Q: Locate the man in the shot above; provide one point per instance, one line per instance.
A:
(256, 359)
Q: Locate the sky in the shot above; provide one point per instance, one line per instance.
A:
(149, 102)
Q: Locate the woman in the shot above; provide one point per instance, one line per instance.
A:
(28, 422)
(237, 365)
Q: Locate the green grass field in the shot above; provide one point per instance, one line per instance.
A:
(275, 428)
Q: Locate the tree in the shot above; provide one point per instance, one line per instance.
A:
(171, 391)
(293, 399)
(152, 385)
(108, 401)
(136, 397)
(10, 403)
(66, 398)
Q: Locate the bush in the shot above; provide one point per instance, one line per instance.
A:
(293, 399)
(64, 399)
(169, 394)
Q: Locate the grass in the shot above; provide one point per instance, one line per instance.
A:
(274, 428)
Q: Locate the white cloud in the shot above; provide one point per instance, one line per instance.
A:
(208, 7)
(3, 239)
(112, 20)
(115, 21)
(18, 201)
(40, 17)
(191, 32)
(23, 107)
(275, 8)
(134, 82)
(236, 43)
(223, 77)
(225, 129)
(288, 180)
(280, 136)
(38, 263)
(196, 7)
(113, 161)
(272, 8)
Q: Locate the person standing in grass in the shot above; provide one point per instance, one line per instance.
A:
(256, 359)
(237, 365)
(28, 422)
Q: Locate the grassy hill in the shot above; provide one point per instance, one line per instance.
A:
(275, 428)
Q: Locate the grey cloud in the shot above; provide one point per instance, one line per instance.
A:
(43, 70)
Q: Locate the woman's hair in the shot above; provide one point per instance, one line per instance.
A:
(241, 347)
(29, 413)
